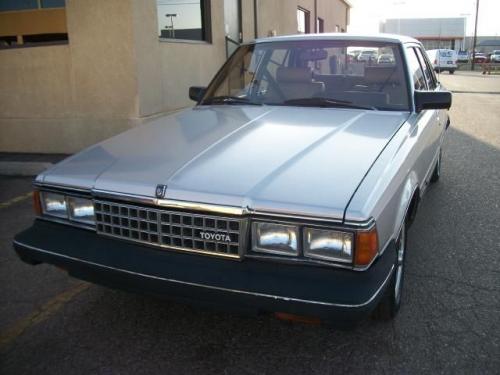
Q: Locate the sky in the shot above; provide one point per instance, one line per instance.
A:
(367, 14)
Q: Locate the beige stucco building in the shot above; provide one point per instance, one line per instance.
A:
(80, 72)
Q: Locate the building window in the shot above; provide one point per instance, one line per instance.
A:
(320, 26)
(10, 5)
(25, 23)
(184, 19)
(303, 21)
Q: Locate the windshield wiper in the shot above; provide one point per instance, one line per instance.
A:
(225, 99)
(326, 102)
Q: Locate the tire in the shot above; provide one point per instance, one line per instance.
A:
(390, 303)
(437, 170)
(451, 71)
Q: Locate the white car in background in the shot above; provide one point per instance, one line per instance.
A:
(463, 56)
(495, 56)
(386, 58)
(443, 59)
(367, 55)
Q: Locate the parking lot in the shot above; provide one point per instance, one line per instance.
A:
(449, 323)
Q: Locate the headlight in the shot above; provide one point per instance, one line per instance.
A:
(328, 245)
(54, 204)
(275, 238)
(81, 210)
(74, 209)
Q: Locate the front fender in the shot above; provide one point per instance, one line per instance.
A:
(409, 188)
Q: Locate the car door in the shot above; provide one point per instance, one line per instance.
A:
(425, 121)
(440, 116)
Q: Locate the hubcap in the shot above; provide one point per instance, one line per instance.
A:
(400, 264)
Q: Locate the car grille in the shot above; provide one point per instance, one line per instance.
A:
(208, 234)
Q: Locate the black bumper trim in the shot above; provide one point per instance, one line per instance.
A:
(247, 286)
(255, 294)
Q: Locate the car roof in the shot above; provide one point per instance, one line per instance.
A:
(389, 38)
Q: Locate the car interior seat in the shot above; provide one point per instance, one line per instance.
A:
(298, 83)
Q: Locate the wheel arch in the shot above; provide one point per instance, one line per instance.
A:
(408, 205)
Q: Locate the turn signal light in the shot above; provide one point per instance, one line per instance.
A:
(37, 205)
(366, 247)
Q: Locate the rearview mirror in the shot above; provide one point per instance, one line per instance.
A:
(196, 93)
(432, 100)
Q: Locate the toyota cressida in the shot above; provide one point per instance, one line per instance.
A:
(288, 188)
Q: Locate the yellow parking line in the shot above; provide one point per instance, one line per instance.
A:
(15, 200)
(43, 313)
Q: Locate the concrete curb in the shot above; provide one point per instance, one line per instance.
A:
(22, 168)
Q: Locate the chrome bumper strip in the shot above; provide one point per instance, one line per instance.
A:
(255, 294)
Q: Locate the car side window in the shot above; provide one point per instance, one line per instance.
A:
(428, 72)
(416, 70)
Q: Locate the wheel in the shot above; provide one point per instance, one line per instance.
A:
(437, 170)
(390, 303)
(451, 71)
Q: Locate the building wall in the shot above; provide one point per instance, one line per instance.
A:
(432, 32)
(279, 16)
(115, 72)
(450, 28)
(493, 43)
(200, 59)
(334, 13)
(65, 97)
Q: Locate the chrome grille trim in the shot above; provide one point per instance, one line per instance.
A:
(168, 203)
(177, 230)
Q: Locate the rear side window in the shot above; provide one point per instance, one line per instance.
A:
(428, 72)
(415, 70)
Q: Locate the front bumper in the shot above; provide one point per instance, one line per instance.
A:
(253, 286)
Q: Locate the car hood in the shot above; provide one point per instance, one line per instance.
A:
(270, 158)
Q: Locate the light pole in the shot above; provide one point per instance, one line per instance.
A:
(171, 16)
(475, 38)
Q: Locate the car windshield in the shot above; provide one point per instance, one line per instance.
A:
(317, 73)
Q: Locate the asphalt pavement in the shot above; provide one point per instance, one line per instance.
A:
(449, 322)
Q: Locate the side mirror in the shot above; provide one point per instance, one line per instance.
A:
(432, 100)
(196, 93)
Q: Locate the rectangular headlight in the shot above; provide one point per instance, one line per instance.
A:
(81, 210)
(328, 245)
(54, 204)
(275, 238)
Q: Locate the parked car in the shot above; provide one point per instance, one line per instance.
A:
(281, 190)
(463, 56)
(367, 55)
(443, 60)
(385, 58)
(495, 56)
(480, 57)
